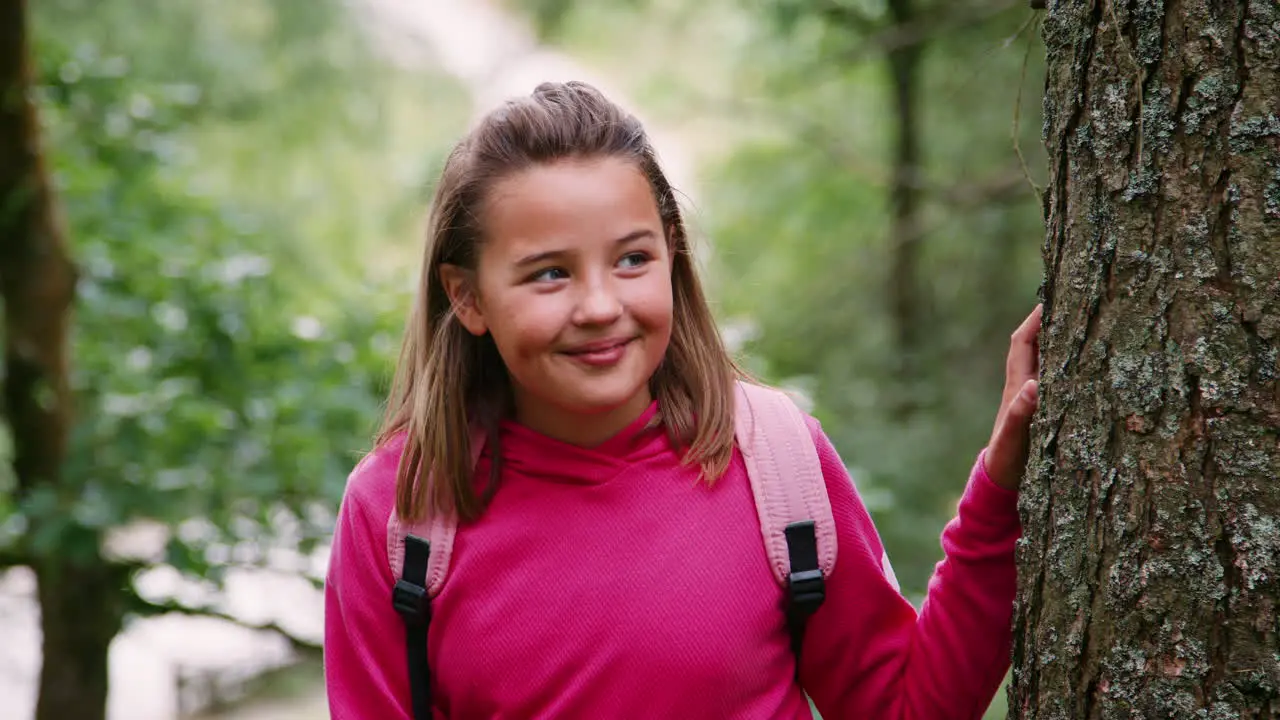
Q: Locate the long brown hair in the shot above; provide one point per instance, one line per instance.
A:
(449, 382)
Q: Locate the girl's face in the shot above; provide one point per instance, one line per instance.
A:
(574, 284)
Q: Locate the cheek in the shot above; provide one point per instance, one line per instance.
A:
(653, 308)
(524, 324)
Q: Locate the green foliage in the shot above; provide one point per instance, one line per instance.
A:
(289, 116)
(800, 225)
(229, 178)
(549, 17)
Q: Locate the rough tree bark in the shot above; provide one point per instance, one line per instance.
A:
(1149, 572)
(79, 596)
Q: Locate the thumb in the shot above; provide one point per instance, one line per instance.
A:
(1023, 406)
(1008, 451)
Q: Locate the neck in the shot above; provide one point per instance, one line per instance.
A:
(577, 428)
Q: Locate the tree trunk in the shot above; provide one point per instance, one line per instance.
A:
(36, 277)
(79, 596)
(1149, 571)
(904, 205)
(80, 612)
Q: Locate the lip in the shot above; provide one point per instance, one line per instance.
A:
(599, 346)
(601, 354)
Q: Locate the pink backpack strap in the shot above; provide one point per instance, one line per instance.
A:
(428, 545)
(785, 474)
(438, 530)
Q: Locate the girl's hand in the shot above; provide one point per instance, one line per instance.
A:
(1007, 452)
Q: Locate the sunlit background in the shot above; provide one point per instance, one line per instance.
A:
(244, 186)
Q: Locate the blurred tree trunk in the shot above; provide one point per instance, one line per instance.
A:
(1150, 568)
(80, 613)
(78, 594)
(904, 201)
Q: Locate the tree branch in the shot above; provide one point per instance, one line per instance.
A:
(923, 27)
(1006, 186)
(139, 605)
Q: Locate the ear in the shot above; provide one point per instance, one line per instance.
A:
(459, 285)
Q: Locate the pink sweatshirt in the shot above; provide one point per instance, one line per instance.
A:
(609, 583)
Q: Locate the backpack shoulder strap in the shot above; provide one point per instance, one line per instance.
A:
(785, 473)
(437, 531)
(419, 554)
(791, 499)
(433, 535)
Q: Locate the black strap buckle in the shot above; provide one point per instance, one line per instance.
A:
(411, 602)
(806, 588)
(806, 591)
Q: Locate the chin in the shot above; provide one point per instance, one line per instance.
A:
(597, 405)
(586, 401)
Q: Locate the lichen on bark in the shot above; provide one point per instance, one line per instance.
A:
(1150, 563)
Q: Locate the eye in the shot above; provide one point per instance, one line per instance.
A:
(550, 274)
(634, 260)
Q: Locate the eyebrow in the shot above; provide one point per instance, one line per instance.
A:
(630, 237)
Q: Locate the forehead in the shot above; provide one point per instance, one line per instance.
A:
(568, 203)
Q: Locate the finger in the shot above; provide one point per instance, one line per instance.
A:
(1008, 452)
(1020, 404)
(1022, 362)
(1028, 332)
(1014, 419)
(1024, 350)
(1009, 446)
(1024, 405)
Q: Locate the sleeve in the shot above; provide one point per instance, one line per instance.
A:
(868, 654)
(366, 671)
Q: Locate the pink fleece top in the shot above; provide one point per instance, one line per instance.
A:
(608, 582)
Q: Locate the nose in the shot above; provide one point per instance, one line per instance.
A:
(598, 304)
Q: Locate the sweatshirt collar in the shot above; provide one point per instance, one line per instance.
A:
(527, 452)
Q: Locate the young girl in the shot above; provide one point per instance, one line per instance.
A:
(608, 562)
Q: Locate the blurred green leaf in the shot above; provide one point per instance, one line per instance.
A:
(241, 187)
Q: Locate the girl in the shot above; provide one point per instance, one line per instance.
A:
(608, 561)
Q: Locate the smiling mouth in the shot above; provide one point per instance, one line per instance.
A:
(605, 353)
(598, 347)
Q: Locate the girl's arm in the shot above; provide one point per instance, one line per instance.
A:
(866, 652)
(366, 674)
